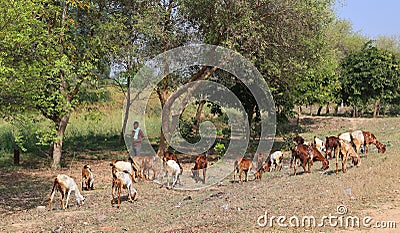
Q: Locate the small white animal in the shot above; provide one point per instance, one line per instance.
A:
(66, 185)
(122, 180)
(130, 167)
(358, 139)
(173, 169)
(276, 159)
(320, 144)
(345, 137)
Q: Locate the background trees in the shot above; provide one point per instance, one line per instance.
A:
(370, 75)
(53, 52)
(50, 54)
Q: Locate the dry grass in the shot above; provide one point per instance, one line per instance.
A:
(227, 208)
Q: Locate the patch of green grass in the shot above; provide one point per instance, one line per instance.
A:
(6, 138)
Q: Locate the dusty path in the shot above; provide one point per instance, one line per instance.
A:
(229, 207)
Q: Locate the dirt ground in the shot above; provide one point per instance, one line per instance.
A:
(371, 190)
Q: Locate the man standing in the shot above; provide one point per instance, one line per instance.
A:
(137, 138)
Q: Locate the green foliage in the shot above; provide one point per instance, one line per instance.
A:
(49, 52)
(23, 132)
(185, 128)
(54, 56)
(389, 43)
(220, 149)
(299, 59)
(370, 74)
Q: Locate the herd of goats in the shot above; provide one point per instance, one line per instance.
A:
(343, 147)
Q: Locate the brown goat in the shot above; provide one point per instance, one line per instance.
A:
(147, 163)
(87, 178)
(317, 156)
(258, 174)
(346, 150)
(264, 168)
(301, 152)
(201, 163)
(242, 165)
(298, 140)
(370, 138)
(332, 144)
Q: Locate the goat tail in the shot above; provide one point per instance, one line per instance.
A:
(54, 185)
(235, 166)
(53, 191)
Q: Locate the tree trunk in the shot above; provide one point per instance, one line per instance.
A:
(298, 116)
(319, 110)
(126, 114)
(162, 95)
(310, 109)
(354, 111)
(376, 105)
(337, 109)
(327, 109)
(16, 157)
(195, 128)
(250, 119)
(57, 145)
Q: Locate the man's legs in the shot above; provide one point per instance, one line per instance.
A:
(135, 151)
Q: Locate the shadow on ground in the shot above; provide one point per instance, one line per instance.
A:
(21, 191)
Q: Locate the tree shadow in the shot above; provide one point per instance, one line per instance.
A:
(21, 191)
(93, 143)
(300, 173)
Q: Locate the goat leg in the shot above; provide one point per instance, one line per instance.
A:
(119, 196)
(294, 167)
(66, 203)
(204, 175)
(62, 200)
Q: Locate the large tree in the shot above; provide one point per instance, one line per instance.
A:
(286, 40)
(51, 52)
(370, 75)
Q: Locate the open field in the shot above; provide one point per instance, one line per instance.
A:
(370, 190)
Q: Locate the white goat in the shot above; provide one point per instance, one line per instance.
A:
(122, 180)
(65, 185)
(276, 159)
(173, 169)
(319, 144)
(357, 137)
(345, 137)
(131, 167)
